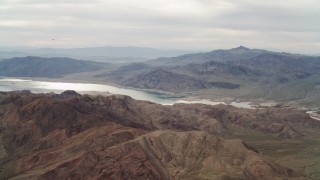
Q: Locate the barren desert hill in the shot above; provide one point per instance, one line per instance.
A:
(72, 136)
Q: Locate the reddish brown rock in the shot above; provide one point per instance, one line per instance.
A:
(69, 136)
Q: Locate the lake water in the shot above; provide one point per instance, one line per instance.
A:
(12, 84)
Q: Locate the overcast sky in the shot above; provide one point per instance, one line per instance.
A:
(286, 25)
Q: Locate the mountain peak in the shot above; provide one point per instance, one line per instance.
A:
(240, 48)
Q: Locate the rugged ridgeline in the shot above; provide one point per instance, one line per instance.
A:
(45, 67)
(72, 136)
(239, 72)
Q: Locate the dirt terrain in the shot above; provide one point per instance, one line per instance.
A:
(72, 136)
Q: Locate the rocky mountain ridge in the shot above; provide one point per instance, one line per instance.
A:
(72, 136)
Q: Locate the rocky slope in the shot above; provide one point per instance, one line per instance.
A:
(173, 155)
(69, 136)
(165, 80)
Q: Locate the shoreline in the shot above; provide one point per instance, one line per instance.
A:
(175, 98)
(94, 82)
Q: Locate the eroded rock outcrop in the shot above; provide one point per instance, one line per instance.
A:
(70, 136)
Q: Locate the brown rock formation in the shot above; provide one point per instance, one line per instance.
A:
(69, 136)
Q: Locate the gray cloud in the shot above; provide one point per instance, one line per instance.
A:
(288, 25)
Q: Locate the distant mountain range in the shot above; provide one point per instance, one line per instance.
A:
(45, 67)
(250, 73)
(237, 73)
(101, 54)
(220, 55)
